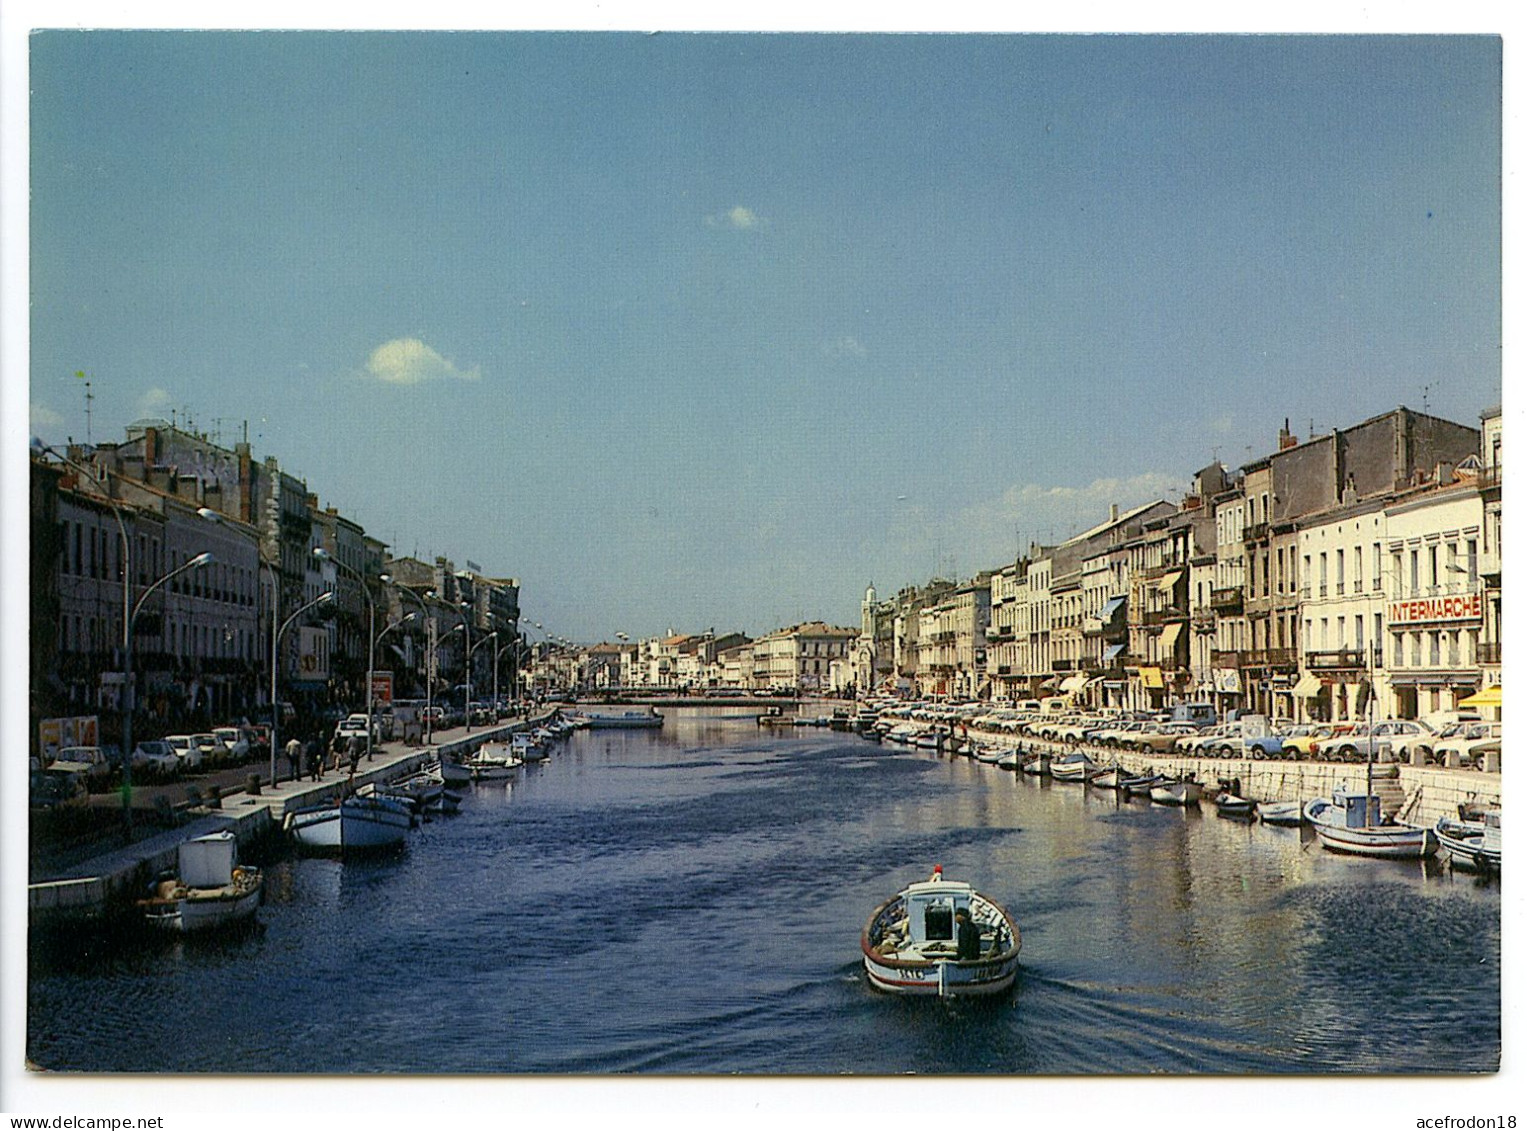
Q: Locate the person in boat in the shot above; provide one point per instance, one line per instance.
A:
(967, 936)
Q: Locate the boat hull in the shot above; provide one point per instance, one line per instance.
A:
(1177, 793)
(1289, 814)
(207, 910)
(937, 976)
(1465, 847)
(607, 722)
(358, 824)
(1389, 842)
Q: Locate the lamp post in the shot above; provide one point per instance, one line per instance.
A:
(127, 683)
(213, 516)
(497, 690)
(324, 556)
(275, 714)
(467, 628)
(492, 636)
(399, 623)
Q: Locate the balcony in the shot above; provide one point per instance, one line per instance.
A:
(1156, 573)
(1224, 659)
(1162, 616)
(1256, 532)
(1345, 658)
(1231, 600)
(1489, 653)
(1204, 620)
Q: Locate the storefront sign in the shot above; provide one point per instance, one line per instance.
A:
(313, 656)
(381, 689)
(1426, 610)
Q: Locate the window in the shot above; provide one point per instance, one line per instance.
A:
(1325, 634)
(1378, 638)
(1357, 569)
(1434, 639)
(1378, 580)
(1341, 632)
(1323, 571)
(1431, 565)
(1471, 548)
(1357, 628)
(1415, 570)
(1341, 572)
(1306, 575)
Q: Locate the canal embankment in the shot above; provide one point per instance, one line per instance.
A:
(110, 880)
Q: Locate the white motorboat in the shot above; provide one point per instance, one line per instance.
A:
(911, 942)
(1354, 823)
(356, 823)
(209, 889)
(527, 749)
(1473, 846)
(1072, 767)
(455, 773)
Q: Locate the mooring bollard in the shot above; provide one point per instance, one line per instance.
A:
(214, 797)
(252, 785)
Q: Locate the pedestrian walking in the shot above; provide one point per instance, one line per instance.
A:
(314, 754)
(355, 753)
(294, 756)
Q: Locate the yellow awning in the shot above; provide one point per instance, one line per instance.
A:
(1073, 683)
(1169, 581)
(1169, 636)
(1151, 677)
(1308, 686)
(1484, 697)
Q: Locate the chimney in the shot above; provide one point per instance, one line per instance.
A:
(1113, 512)
(1286, 439)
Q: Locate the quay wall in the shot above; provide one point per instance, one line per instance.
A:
(1429, 792)
(110, 882)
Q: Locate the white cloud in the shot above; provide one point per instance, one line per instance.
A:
(44, 417)
(846, 346)
(153, 403)
(408, 361)
(737, 217)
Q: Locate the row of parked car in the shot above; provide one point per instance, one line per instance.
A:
(1193, 730)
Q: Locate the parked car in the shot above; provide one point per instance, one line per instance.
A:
(355, 726)
(155, 758)
(235, 743)
(1472, 742)
(88, 761)
(1402, 736)
(56, 789)
(188, 749)
(1160, 738)
(1310, 745)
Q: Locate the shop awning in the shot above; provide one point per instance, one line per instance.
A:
(1073, 683)
(1111, 653)
(1169, 581)
(1111, 609)
(1308, 686)
(1151, 677)
(1484, 697)
(1169, 636)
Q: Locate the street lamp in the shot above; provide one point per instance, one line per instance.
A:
(324, 556)
(490, 637)
(127, 683)
(275, 712)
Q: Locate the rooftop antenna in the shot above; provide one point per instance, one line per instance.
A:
(88, 398)
(1425, 399)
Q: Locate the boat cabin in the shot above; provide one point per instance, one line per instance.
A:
(930, 908)
(1361, 810)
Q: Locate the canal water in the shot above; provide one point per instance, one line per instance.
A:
(689, 902)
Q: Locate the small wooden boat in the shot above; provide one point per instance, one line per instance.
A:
(1072, 767)
(1354, 823)
(910, 943)
(1240, 808)
(1182, 791)
(454, 773)
(1009, 762)
(1286, 813)
(1037, 766)
(1141, 784)
(209, 889)
(352, 824)
(1473, 846)
(1110, 777)
(493, 763)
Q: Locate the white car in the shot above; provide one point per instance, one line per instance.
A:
(235, 743)
(88, 761)
(1471, 742)
(188, 749)
(156, 759)
(354, 726)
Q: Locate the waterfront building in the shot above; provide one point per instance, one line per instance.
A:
(800, 658)
(1159, 562)
(1005, 656)
(952, 641)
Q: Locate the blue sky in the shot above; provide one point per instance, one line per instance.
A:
(714, 330)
